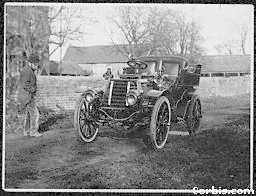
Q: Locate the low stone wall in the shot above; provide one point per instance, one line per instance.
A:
(220, 86)
(54, 91)
(63, 91)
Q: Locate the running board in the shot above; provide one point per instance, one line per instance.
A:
(178, 133)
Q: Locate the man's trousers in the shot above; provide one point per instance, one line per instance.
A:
(31, 124)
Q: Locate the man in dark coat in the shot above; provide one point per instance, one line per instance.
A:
(108, 75)
(26, 92)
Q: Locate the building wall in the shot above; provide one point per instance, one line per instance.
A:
(220, 86)
(99, 69)
(65, 90)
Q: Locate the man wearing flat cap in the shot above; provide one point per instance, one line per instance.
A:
(108, 74)
(27, 88)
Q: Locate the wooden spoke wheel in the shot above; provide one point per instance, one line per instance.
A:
(194, 117)
(160, 124)
(85, 126)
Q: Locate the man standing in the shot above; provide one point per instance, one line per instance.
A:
(108, 75)
(27, 88)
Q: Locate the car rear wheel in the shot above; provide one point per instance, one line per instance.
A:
(193, 121)
(85, 126)
(159, 125)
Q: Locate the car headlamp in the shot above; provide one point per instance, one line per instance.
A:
(89, 96)
(131, 99)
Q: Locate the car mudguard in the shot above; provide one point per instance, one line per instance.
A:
(154, 93)
(165, 92)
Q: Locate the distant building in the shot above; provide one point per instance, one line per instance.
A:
(53, 70)
(92, 60)
(225, 65)
(96, 59)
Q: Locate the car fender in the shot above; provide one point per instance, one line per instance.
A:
(158, 93)
(165, 92)
(154, 93)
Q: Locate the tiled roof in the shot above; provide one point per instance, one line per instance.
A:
(225, 63)
(94, 54)
(54, 67)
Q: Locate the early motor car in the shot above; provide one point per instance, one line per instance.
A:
(153, 91)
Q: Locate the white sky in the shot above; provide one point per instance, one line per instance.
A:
(218, 23)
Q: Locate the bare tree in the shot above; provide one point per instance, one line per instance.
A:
(189, 42)
(134, 28)
(243, 37)
(61, 20)
(172, 34)
(41, 26)
(162, 32)
(237, 45)
(230, 47)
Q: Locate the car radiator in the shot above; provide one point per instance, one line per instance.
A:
(116, 93)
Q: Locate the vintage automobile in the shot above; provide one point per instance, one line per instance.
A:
(153, 91)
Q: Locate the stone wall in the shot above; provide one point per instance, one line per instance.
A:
(63, 91)
(221, 86)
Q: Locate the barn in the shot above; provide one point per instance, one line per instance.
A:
(225, 65)
(92, 60)
(95, 60)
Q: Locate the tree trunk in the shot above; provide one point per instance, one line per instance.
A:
(243, 48)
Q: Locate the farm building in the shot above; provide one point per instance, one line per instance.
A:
(92, 60)
(95, 60)
(225, 65)
(52, 70)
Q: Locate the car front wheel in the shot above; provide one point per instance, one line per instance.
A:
(84, 124)
(159, 125)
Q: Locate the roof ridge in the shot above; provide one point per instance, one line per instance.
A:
(226, 55)
(97, 46)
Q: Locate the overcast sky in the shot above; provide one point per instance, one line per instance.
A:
(218, 23)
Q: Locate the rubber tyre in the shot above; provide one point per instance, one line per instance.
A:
(194, 130)
(150, 139)
(80, 136)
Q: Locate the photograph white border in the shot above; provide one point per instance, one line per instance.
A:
(114, 190)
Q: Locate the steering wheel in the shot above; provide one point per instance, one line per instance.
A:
(137, 64)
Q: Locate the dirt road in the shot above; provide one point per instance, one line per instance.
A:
(114, 160)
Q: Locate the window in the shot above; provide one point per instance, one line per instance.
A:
(231, 74)
(244, 74)
(205, 75)
(217, 74)
(170, 68)
(151, 68)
